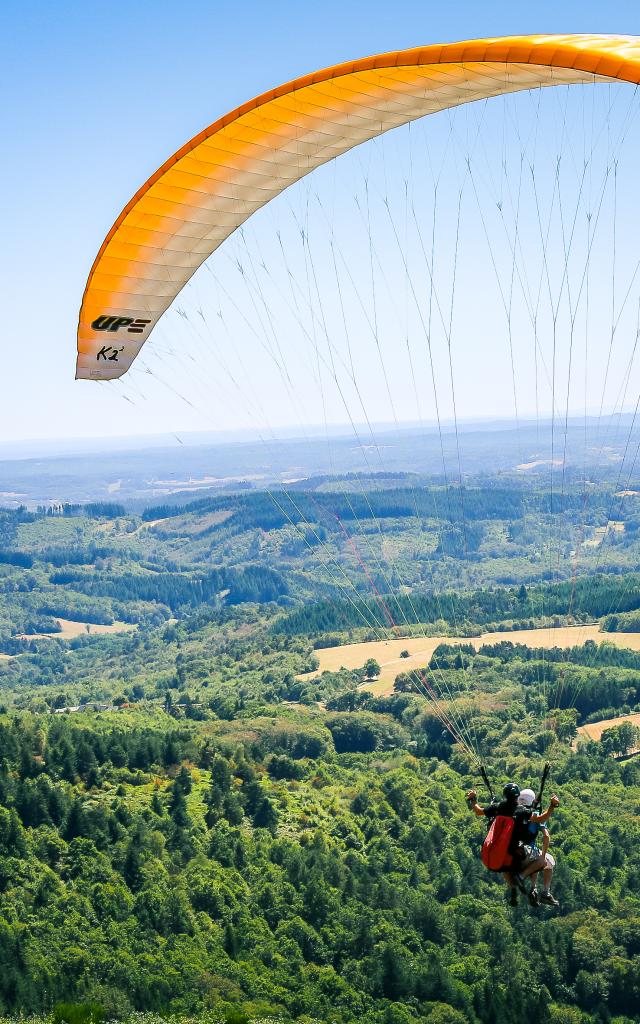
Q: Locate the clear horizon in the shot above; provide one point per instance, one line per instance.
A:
(28, 448)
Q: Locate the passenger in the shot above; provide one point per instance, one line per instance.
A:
(532, 831)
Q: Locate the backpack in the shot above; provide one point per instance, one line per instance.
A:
(495, 849)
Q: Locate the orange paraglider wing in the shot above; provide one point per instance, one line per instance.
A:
(231, 169)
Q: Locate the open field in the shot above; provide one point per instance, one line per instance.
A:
(537, 463)
(71, 629)
(594, 730)
(108, 527)
(387, 652)
(189, 525)
(600, 532)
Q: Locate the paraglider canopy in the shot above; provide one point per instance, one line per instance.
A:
(231, 169)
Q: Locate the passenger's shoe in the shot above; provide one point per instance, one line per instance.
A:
(534, 898)
(513, 897)
(548, 899)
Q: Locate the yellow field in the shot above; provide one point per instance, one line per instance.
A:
(387, 652)
(70, 629)
(595, 729)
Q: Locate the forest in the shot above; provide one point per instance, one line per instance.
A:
(165, 869)
(475, 611)
(196, 824)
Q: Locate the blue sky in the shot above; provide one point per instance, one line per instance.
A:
(97, 95)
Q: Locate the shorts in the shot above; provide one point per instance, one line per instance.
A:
(532, 853)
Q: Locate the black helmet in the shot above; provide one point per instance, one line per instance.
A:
(511, 792)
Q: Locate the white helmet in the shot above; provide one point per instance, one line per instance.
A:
(527, 798)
